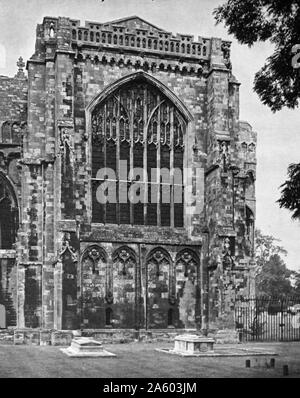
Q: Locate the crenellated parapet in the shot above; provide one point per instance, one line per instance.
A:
(128, 41)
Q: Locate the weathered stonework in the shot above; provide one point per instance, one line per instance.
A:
(63, 270)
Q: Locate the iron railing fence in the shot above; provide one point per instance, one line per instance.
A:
(268, 318)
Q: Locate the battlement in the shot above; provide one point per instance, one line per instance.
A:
(132, 34)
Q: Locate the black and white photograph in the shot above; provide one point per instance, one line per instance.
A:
(149, 192)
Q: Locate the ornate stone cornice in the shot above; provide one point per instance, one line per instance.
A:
(37, 161)
(145, 62)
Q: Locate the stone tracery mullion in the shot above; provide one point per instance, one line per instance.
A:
(152, 114)
(145, 177)
(118, 155)
(172, 164)
(105, 148)
(131, 150)
(158, 161)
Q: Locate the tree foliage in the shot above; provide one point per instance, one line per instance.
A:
(290, 194)
(273, 278)
(296, 277)
(265, 247)
(278, 82)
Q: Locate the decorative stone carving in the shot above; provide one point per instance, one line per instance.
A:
(65, 140)
(157, 258)
(67, 247)
(123, 256)
(21, 66)
(224, 157)
(109, 297)
(188, 259)
(244, 146)
(226, 45)
(251, 147)
(95, 253)
(228, 260)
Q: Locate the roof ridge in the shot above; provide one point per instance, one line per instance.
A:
(133, 17)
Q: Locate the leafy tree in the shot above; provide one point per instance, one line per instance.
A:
(274, 278)
(278, 82)
(265, 247)
(296, 277)
(290, 194)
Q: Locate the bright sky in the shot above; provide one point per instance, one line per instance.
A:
(278, 134)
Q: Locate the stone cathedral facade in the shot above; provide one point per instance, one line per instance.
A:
(123, 96)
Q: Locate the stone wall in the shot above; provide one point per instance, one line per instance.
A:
(13, 98)
(13, 127)
(157, 289)
(75, 273)
(8, 286)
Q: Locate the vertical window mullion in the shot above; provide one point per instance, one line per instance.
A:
(118, 159)
(158, 163)
(146, 177)
(172, 164)
(131, 121)
(160, 152)
(105, 160)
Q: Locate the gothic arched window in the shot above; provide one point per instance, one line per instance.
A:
(137, 158)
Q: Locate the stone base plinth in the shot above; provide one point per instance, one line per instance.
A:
(224, 351)
(61, 337)
(26, 336)
(193, 344)
(84, 347)
(227, 336)
(7, 335)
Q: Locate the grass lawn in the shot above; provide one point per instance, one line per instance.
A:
(140, 360)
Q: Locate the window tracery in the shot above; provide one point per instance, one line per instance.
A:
(138, 127)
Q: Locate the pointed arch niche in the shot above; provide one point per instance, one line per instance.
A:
(94, 287)
(9, 224)
(124, 287)
(159, 272)
(138, 123)
(187, 268)
(9, 214)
